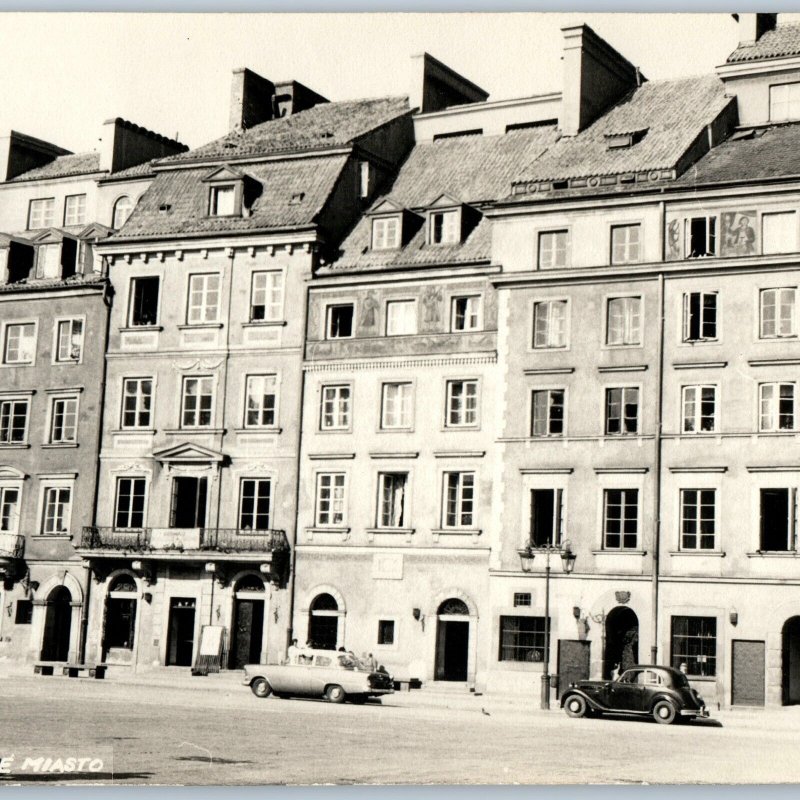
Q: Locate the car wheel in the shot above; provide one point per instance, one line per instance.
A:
(335, 694)
(261, 688)
(664, 712)
(575, 706)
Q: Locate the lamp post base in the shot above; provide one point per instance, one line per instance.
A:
(545, 703)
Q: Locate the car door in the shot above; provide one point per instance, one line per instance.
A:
(319, 675)
(627, 693)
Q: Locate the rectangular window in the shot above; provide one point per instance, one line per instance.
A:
(522, 599)
(9, 509)
(702, 237)
(386, 631)
(20, 343)
(13, 421)
(56, 512)
(694, 643)
(137, 401)
(776, 407)
(778, 313)
(330, 498)
(64, 420)
(392, 490)
(622, 411)
(466, 313)
(700, 316)
(778, 519)
(75, 209)
(396, 406)
(203, 298)
(339, 324)
(459, 500)
(401, 317)
(624, 321)
(522, 639)
(620, 519)
(386, 233)
(41, 213)
(144, 301)
(69, 347)
(260, 410)
(547, 412)
(223, 201)
(444, 227)
(699, 409)
(24, 612)
(335, 410)
(546, 516)
(130, 503)
(553, 247)
(626, 244)
(197, 404)
(363, 179)
(266, 296)
(255, 501)
(550, 324)
(462, 404)
(779, 233)
(698, 519)
(784, 102)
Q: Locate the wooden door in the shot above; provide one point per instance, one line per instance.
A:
(573, 662)
(747, 684)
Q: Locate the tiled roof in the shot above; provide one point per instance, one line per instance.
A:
(292, 194)
(322, 126)
(63, 166)
(473, 169)
(143, 170)
(784, 40)
(43, 284)
(770, 153)
(674, 112)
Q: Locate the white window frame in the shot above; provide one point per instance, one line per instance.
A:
(548, 390)
(258, 479)
(473, 313)
(716, 236)
(48, 484)
(259, 408)
(338, 487)
(119, 208)
(549, 337)
(697, 519)
(625, 490)
(774, 406)
(197, 411)
(342, 410)
(139, 395)
(405, 416)
(401, 317)
(406, 500)
(697, 416)
(4, 343)
(329, 309)
(57, 351)
(272, 293)
(686, 317)
(46, 218)
(222, 190)
(5, 487)
(55, 400)
(769, 248)
(450, 229)
(16, 399)
(118, 480)
(465, 412)
(197, 299)
(630, 255)
(548, 250)
(460, 499)
(791, 90)
(135, 279)
(386, 232)
(778, 320)
(75, 216)
(625, 388)
(631, 336)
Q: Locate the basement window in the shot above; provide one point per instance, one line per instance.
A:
(778, 515)
(702, 237)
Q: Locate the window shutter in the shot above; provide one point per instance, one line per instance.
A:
(793, 519)
(686, 317)
(557, 515)
(174, 505)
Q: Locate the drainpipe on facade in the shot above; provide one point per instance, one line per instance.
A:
(658, 442)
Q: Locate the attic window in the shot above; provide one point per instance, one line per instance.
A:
(560, 184)
(164, 208)
(222, 201)
(297, 199)
(619, 141)
(457, 134)
(386, 233)
(784, 102)
(444, 227)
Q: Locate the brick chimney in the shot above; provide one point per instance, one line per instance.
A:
(291, 97)
(251, 99)
(125, 144)
(595, 77)
(753, 26)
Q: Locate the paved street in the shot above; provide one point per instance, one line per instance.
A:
(207, 733)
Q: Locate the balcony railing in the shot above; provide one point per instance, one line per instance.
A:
(12, 545)
(163, 540)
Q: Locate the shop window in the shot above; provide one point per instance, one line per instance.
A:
(694, 643)
(522, 639)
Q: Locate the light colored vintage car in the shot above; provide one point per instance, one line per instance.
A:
(317, 673)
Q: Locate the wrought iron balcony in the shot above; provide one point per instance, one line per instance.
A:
(99, 538)
(237, 540)
(12, 545)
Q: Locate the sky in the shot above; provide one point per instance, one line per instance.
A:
(64, 74)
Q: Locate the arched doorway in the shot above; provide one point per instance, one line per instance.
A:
(323, 624)
(452, 640)
(57, 625)
(247, 633)
(621, 640)
(790, 662)
(120, 626)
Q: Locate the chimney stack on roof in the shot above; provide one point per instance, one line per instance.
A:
(595, 77)
(125, 144)
(20, 153)
(437, 87)
(753, 26)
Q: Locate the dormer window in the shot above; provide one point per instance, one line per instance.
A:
(223, 201)
(624, 139)
(386, 233)
(444, 227)
(784, 102)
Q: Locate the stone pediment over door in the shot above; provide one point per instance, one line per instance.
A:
(188, 453)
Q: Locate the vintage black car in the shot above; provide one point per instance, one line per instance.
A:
(644, 690)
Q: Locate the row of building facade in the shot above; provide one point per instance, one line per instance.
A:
(331, 376)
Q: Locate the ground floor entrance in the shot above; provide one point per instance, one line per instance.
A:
(790, 662)
(247, 634)
(452, 641)
(621, 649)
(180, 642)
(747, 678)
(574, 662)
(57, 625)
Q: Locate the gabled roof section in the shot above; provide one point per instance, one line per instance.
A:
(445, 201)
(52, 236)
(95, 230)
(386, 205)
(323, 126)
(780, 42)
(63, 167)
(674, 113)
(223, 173)
(188, 452)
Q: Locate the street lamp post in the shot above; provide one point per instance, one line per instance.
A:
(526, 557)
